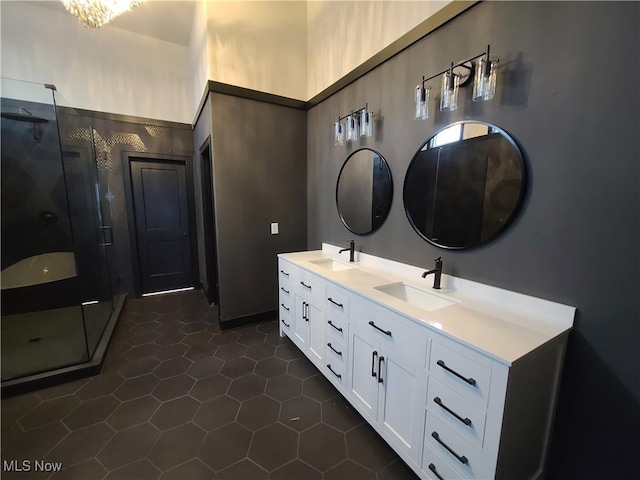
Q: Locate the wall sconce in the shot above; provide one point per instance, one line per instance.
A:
(359, 123)
(456, 76)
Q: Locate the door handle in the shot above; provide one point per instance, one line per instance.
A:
(107, 236)
(373, 363)
(380, 362)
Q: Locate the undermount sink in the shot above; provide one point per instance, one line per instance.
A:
(331, 264)
(415, 296)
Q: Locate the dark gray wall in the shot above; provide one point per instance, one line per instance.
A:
(259, 177)
(576, 241)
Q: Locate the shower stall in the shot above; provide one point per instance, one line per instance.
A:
(57, 303)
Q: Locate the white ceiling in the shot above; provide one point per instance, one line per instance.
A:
(170, 21)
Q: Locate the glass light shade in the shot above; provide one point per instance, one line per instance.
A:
(95, 13)
(338, 133)
(365, 123)
(450, 91)
(484, 81)
(352, 128)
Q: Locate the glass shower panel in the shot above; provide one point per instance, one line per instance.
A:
(91, 233)
(42, 323)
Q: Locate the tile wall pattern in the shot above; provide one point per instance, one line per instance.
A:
(178, 399)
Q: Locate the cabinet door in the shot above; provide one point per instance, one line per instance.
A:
(401, 403)
(317, 334)
(300, 323)
(363, 376)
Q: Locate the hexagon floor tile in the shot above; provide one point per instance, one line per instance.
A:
(178, 398)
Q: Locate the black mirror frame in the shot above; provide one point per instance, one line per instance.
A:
(386, 215)
(516, 208)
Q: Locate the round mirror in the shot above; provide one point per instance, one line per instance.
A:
(364, 191)
(464, 185)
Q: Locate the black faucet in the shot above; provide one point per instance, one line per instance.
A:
(437, 271)
(352, 249)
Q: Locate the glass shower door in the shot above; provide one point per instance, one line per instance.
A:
(92, 236)
(42, 319)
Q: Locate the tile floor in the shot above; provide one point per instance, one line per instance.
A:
(178, 399)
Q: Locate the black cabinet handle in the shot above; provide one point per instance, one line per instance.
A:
(284, 273)
(373, 364)
(466, 421)
(305, 285)
(305, 311)
(462, 459)
(432, 467)
(337, 328)
(285, 323)
(335, 303)
(331, 347)
(380, 361)
(470, 381)
(284, 290)
(331, 370)
(386, 332)
(282, 305)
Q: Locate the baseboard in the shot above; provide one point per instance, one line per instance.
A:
(248, 320)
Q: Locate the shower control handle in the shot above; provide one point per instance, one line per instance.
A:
(107, 236)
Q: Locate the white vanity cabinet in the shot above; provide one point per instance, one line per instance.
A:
(386, 375)
(457, 392)
(301, 294)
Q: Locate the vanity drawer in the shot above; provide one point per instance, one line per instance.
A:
(311, 287)
(336, 351)
(436, 467)
(285, 304)
(285, 321)
(337, 326)
(335, 371)
(456, 449)
(456, 411)
(391, 331)
(464, 374)
(285, 273)
(337, 300)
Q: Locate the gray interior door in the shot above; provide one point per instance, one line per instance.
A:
(162, 224)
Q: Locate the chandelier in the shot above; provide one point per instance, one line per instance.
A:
(95, 13)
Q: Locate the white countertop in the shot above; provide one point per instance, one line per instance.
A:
(502, 324)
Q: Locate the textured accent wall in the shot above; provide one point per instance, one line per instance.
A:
(576, 239)
(112, 138)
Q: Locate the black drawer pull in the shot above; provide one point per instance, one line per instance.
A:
(373, 364)
(336, 351)
(470, 381)
(284, 273)
(337, 328)
(286, 308)
(335, 303)
(285, 323)
(380, 360)
(331, 370)
(386, 332)
(284, 290)
(432, 467)
(466, 421)
(462, 459)
(305, 285)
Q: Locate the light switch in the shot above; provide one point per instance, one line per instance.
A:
(274, 229)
